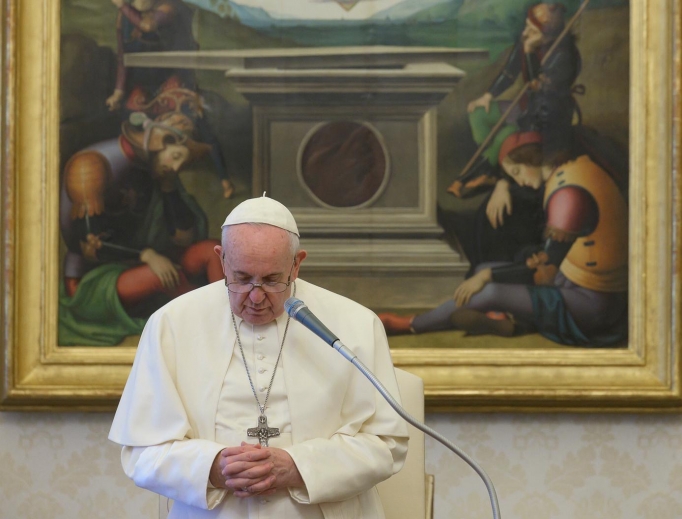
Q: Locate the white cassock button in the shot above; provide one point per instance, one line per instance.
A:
(262, 389)
(261, 370)
(260, 338)
(261, 357)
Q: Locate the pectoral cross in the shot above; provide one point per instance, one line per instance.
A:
(263, 432)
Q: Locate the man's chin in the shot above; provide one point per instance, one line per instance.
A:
(257, 316)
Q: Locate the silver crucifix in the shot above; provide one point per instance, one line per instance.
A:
(263, 432)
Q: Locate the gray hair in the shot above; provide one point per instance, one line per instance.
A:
(294, 240)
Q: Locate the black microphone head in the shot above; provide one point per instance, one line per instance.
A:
(293, 305)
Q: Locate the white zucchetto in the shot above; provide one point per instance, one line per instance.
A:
(262, 210)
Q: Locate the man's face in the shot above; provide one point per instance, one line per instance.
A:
(523, 174)
(532, 36)
(170, 160)
(258, 254)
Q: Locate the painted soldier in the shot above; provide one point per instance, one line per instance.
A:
(511, 217)
(548, 106)
(134, 236)
(573, 288)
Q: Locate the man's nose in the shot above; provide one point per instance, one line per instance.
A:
(257, 295)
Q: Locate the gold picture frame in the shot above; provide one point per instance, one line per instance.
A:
(39, 375)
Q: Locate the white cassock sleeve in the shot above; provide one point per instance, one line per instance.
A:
(370, 447)
(177, 470)
(162, 447)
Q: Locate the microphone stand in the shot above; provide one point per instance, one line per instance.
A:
(353, 359)
(298, 310)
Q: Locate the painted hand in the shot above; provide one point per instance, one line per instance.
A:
(472, 286)
(113, 102)
(544, 272)
(483, 101)
(500, 203)
(228, 188)
(90, 247)
(161, 266)
(532, 39)
(537, 259)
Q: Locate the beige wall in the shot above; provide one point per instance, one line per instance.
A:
(61, 466)
(561, 466)
(55, 466)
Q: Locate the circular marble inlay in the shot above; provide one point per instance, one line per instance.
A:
(343, 164)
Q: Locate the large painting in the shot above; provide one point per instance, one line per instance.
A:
(473, 171)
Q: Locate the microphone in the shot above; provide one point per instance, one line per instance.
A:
(299, 311)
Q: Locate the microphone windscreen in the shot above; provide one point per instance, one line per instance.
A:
(292, 305)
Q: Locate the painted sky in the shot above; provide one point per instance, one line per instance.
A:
(323, 9)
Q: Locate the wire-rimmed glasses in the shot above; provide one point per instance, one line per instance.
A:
(270, 287)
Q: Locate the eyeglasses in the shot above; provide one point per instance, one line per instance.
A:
(271, 287)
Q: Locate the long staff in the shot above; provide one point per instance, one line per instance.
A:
(523, 90)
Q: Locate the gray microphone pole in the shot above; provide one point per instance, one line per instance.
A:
(299, 311)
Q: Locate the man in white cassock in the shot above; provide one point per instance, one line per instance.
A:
(234, 410)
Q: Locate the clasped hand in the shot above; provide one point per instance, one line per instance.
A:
(250, 470)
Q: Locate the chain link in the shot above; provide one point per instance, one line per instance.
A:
(261, 408)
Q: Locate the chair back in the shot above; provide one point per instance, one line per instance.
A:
(404, 494)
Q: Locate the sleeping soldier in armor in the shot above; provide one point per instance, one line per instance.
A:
(135, 238)
(510, 218)
(573, 288)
